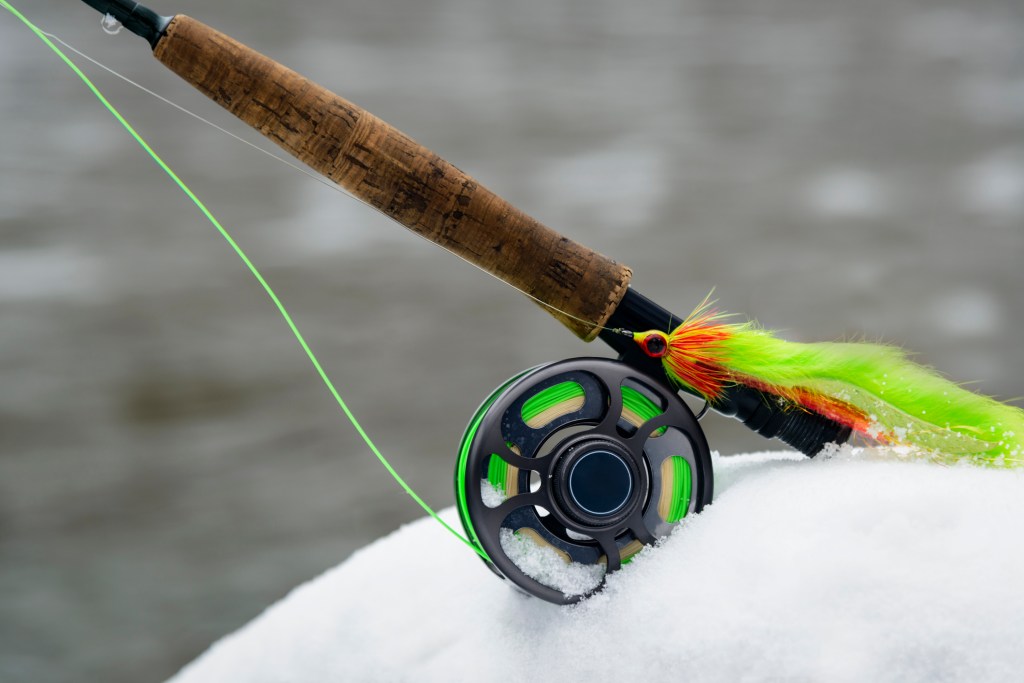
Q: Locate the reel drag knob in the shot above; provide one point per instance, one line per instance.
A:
(569, 469)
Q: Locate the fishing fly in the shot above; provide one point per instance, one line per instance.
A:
(582, 462)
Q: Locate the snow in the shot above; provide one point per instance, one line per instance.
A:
(548, 566)
(854, 567)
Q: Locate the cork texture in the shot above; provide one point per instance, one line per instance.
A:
(391, 172)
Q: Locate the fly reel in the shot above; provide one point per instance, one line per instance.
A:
(568, 470)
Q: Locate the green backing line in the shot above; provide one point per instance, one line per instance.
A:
(645, 409)
(682, 479)
(249, 264)
(549, 398)
(497, 472)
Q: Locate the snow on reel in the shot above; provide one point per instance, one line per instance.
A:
(568, 470)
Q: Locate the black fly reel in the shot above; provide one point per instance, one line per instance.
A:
(568, 470)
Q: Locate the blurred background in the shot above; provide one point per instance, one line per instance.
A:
(169, 462)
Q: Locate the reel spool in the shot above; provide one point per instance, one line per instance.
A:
(568, 470)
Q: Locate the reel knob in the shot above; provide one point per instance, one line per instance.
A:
(595, 482)
(568, 470)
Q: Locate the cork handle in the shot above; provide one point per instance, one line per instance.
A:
(401, 178)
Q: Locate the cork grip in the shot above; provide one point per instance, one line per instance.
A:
(380, 165)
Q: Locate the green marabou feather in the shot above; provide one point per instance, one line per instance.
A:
(904, 403)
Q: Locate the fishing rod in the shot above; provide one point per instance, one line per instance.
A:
(382, 167)
(584, 461)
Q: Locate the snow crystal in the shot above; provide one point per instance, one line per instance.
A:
(549, 567)
(857, 567)
(491, 495)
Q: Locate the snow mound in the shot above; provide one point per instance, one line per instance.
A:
(851, 568)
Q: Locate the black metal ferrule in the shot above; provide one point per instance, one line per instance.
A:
(140, 20)
(768, 415)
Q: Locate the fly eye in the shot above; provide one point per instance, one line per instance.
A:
(655, 345)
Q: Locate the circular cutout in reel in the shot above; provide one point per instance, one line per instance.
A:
(569, 469)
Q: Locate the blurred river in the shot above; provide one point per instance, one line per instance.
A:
(169, 462)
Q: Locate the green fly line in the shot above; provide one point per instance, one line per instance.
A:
(248, 264)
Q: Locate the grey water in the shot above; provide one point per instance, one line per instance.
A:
(170, 464)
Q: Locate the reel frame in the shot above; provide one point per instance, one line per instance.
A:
(602, 469)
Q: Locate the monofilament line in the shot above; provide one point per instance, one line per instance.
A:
(45, 37)
(320, 179)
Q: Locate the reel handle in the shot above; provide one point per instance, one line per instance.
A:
(396, 175)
